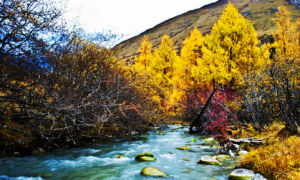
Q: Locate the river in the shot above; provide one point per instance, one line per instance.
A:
(100, 161)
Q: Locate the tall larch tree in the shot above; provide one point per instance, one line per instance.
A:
(190, 52)
(229, 53)
(143, 60)
(287, 44)
(231, 50)
(162, 67)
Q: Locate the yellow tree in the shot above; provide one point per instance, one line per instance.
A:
(286, 44)
(162, 67)
(229, 53)
(231, 50)
(143, 60)
(190, 52)
(138, 73)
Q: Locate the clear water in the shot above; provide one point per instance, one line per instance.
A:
(100, 161)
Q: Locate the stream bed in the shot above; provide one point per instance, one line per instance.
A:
(102, 161)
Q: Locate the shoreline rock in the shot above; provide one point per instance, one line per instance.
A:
(241, 174)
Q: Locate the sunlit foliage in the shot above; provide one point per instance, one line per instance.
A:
(230, 51)
(280, 159)
(143, 60)
(190, 52)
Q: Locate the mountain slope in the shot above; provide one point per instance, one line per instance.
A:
(260, 12)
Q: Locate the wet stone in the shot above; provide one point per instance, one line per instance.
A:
(152, 171)
(241, 174)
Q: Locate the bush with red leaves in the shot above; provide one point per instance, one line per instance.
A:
(218, 114)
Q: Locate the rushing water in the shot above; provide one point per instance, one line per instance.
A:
(100, 161)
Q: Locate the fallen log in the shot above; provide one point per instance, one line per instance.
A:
(247, 140)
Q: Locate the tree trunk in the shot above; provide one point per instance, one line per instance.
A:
(196, 120)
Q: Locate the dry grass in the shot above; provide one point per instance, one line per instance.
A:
(278, 158)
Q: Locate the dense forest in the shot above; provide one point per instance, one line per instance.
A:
(58, 88)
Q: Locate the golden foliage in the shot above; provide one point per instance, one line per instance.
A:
(231, 50)
(190, 52)
(287, 45)
(278, 160)
(143, 60)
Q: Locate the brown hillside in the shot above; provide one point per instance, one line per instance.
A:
(260, 12)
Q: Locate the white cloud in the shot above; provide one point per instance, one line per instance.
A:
(129, 17)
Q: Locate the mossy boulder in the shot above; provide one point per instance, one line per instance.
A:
(145, 157)
(211, 140)
(193, 140)
(163, 133)
(241, 174)
(185, 148)
(152, 171)
(210, 160)
(223, 157)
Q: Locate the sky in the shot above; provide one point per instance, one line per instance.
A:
(127, 17)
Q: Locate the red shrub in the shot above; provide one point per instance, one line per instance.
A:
(218, 114)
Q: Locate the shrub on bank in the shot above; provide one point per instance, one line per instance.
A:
(279, 158)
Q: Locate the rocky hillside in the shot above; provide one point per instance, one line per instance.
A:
(260, 12)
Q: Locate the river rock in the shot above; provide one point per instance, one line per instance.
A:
(145, 157)
(163, 132)
(210, 140)
(186, 148)
(209, 160)
(259, 177)
(241, 174)
(193, 140)
(223, 157)
(152, 171)
(242, 152)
